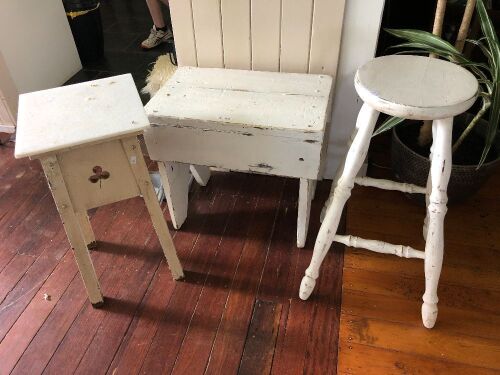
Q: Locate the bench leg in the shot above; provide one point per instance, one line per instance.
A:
(355, 156)
(175, 179)
(306, 195)
(86, 228)
(72, 227)
(436, 211)
(133, 151)
(201, 174)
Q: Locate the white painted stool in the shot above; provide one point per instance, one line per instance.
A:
(85, 136)
(411, 87)
(249, 121)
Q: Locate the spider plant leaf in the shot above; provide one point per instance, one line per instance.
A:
(483, 48)
(494, 47)
(388, 124)
(477, 65)
(425, 48)
(488, 84)
(490, 34)
(426, 38)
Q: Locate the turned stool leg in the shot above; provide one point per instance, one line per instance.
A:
(175, 178)
(132, 149)
(306, 195)
(428, 189)
(72, 227)
(440, 175)
(86, 228)
(340, 169)
(355, 156)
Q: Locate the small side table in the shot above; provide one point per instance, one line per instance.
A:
(85, 136)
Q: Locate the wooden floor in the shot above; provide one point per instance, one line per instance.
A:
(237, 311)
(381, 330)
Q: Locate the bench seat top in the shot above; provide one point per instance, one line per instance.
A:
(234, 100)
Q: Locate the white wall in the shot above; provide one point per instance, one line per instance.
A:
(37, 44)
(8, 98)
(359, 42)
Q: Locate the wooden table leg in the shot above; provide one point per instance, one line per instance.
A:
(136, 160)
(86, 228)
(72, 227)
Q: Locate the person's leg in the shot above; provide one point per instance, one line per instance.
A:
(161, 31)
(154, 7)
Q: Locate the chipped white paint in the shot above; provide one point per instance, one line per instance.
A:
(61, 118)
(86, 170)
(416, 87)
(419, 101)
(379, 246)
(64, 205)
(436, 211)
(356, 155)
(263, 122)
(389, 185)
(300, 36)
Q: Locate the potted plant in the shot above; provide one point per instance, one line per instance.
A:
(476, 147)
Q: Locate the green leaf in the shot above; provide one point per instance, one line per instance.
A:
(388, 124)
(422, 47)
(426, 38)
(483, 48)
(493, 45)
(490, 34)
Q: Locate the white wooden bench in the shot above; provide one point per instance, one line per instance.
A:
(262, 122)
(287, 36)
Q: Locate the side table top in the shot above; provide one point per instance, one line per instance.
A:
(63, 117)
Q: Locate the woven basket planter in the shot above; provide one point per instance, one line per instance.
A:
(408, 166)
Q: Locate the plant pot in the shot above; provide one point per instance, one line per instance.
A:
(465, 180)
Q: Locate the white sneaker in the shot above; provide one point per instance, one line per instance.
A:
(156, 37)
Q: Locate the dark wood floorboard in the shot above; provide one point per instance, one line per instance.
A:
(239, 300)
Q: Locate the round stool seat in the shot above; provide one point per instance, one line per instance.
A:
(416, 87)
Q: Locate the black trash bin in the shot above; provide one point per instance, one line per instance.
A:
(84, 18)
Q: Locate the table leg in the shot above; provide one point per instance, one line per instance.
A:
(86, 228)
(72, 227)
(136, 160)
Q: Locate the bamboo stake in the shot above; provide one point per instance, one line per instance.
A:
(465, 25)
(425, 134)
